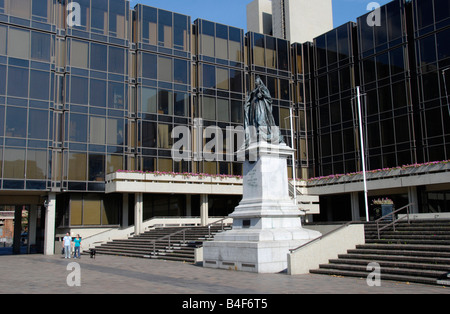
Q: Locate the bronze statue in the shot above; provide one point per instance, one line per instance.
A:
(259, 121)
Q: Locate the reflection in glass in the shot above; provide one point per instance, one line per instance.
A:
(38, 124)
(16, 122)
(149, 100)
(78, 128)
(39, 85)
(14, 163)
(36, 164)
(18, 43)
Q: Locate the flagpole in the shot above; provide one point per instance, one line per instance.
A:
(363, 158)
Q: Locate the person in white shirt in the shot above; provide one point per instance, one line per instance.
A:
(67, 243)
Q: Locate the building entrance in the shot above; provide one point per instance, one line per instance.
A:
(21, 229)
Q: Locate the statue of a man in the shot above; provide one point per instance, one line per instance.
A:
(259, 121)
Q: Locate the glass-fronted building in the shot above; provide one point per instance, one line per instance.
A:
(92, 87)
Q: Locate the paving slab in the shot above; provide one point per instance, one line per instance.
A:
(38, 274)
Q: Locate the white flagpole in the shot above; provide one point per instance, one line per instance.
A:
(363, 158)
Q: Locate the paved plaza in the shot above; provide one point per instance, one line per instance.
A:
(32, 274)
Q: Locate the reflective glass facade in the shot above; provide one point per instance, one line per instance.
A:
(79, 102)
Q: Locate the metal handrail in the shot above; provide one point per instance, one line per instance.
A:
(184, 233)
(394, 221)
(325, 235)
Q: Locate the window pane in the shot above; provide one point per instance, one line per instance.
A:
(181, 38)
(165, 28)
(99, 17)
(36, 164)
(271, 52)
(424, 13)
(98, 57)
(3, 32)
(149, 25)
(236, 81)
(18, 43)
(14, 163)
(165, 69)
(79, 90)
(148, 134)
(443, 44)
(164, 165)
(116, 60)
(97, 130)
(79, 54)
(42, 8)
(441, 9)
(96, 167)
(181, 104)
(236, 111)
(77, 167)
(76, 210)
(40, 46)
(114, 133)
(165, 102)
(114, 163)
(16, 122)
(209, 76)
(97, 93)
(221, 43)
(20, 8)
(2, 123)
(92, 207)
(223, 110)
(116, 95)
(18, 82)
(78, 128)
(149, 66)
(38, 124)
(234, 45)
(117, 20)
(258, 50)
(207, 39)
(149, 100)
(2, 80)
(222, 79)
(39, 85)
(181, 71)
(283, 55)
(164, 136)
(209, 108)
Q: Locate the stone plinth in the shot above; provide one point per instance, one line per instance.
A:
(266, 224)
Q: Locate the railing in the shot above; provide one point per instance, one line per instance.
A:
(394, 221)
(221, 221)
(324, 235)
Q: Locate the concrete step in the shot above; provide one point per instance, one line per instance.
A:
(418, 252)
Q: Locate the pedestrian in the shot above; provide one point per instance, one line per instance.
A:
(67, 242)
(77, 242)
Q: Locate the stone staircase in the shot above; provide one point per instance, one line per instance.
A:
(418, 252)
(169, 243)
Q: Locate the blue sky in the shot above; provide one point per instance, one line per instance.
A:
(233, 12)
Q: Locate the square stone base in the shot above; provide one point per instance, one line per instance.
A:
(258, 251)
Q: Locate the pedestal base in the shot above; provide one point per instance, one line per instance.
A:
(250, 250)
(266, 224)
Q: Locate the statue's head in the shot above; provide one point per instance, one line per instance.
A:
(258, 81)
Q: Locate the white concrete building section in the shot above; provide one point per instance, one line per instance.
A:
(259, 17)
(298, 21)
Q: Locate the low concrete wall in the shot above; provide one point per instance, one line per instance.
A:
(322, 250)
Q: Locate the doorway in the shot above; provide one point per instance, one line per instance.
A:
(21, 229)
